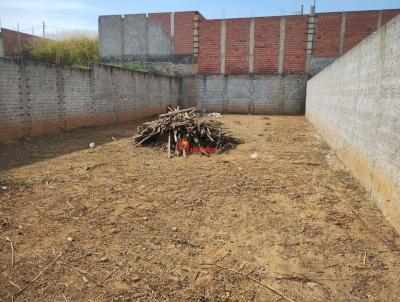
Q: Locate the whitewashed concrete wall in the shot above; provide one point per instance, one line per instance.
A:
(355, 104)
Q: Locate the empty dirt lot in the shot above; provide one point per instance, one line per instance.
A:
(123, 223)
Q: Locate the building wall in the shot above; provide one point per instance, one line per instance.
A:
(264, 45)
(1, 46)
(251, 94)
(142, 38)
(355, 104)
(37, 98)
(237, 46)
(10, 41)
(209, 61)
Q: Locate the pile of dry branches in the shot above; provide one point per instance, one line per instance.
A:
(182, 131)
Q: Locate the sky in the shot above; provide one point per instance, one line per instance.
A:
(82, 15)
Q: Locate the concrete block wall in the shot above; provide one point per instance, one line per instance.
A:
(252, 94)
(355, 104)
(147, 38)
(12, 106)
(37, 98)
(1, 46)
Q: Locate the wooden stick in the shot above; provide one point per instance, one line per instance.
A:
(108, 276)
(16, 285)
(38, 275)
(169, 145)
(84, 273)
(41, 272)
(176, 112)
(254, 280)
(12, 250)
(4, 244)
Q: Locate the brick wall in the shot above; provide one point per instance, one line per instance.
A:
(237, 46)
(184, 33)
(295, 44)
(38, 98)
(10, 41)
(327, 35)
(266, 45)
(209, 61)
(164, 19)
(277, 48)
(359, 25)
(388, 15)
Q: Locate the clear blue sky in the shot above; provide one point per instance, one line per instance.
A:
(82, 14)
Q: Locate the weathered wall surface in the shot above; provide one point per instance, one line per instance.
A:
(355, 104)
(253, 94)
(1, 46)
(147, 38)
(37, 98)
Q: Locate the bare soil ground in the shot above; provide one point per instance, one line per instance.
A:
(145, 228)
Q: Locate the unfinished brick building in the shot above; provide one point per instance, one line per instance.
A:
(246, 65)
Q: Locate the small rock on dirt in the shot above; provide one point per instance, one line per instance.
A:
(135, 279)
(311, 284)
(103, 259)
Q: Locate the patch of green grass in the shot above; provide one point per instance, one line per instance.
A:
(139, 68)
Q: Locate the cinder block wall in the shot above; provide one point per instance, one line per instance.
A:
(38, 98)
(355, 104)
(252, 94)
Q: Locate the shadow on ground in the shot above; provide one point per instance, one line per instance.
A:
(27, 151)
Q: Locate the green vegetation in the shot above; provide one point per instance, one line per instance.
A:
(78, 51)
(140, 67)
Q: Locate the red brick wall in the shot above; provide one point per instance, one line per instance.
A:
(359, 25)
(184, 32)
(327, 38)
(389, 15)
(164, 19)
(266, 49)
(266, 45)
(209, 61)
(10, 41)
(237, 46)
(295, 44)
